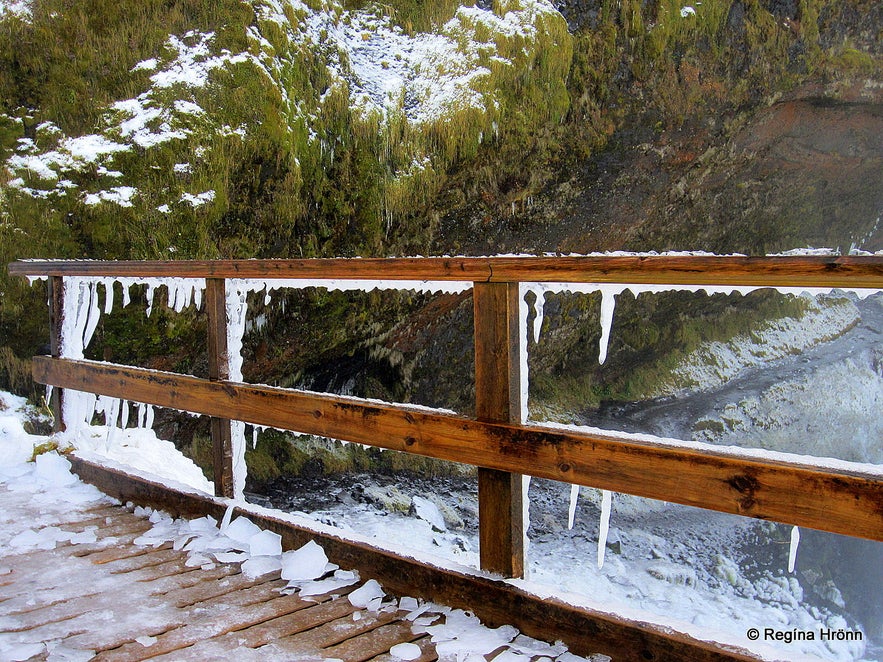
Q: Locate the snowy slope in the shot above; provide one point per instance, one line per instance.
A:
(388, 78)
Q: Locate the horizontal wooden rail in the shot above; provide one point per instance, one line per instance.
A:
(786, 271)
(846, 502)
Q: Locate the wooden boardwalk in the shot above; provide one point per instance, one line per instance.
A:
(113, 600)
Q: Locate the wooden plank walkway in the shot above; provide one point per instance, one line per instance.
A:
(147, 602)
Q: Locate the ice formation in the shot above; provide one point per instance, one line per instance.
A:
(606, 502)
(571, 511)
(792, 549)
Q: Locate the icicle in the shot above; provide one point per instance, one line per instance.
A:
(792, 551)
(267, 291)
(197, 297)
(149, 296)
(606, 501)
(254, 436)
(523, 374)
(236, 304)
(525, 516)
(108, 295)
(127, 297)
(148, 420)
(571, 511)
(142, 415)
(539, 309)
(608, 303)
(94, 314)
(124, 414)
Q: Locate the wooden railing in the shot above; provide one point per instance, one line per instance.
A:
(787, 489)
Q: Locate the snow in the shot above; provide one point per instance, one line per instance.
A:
(42, 494)
(405, 651)
(307, 563)
(20, 8)
(429, 512)
(368, 596)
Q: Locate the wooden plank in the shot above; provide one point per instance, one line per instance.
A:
(309, 617)
(334, 632)
(219, 370)
(496, 602)
(205, 626)
(786, 271)
(498, 400)
(375, 642)
(849, 502)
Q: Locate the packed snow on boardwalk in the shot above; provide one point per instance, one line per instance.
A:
(38, 496)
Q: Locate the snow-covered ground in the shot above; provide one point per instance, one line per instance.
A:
(39, 495)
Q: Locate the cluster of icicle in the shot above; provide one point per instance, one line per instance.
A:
(609, 292)
(82, 311)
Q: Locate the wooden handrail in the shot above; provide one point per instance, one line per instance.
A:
(785, 271)
(789, 490)
(844, 501)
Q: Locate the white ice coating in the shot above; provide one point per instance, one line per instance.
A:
(571, 511)
(606, 502)
(792, 550)
(236, 295)
(81, 315)
(525, 516)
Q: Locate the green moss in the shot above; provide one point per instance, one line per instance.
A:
(651, 336)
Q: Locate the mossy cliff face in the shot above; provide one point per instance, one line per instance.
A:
(276, 129)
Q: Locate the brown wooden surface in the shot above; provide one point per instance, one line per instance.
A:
(496, 602)
(796, 271)
(56, 320)
(498, 400)
(218, 370)
(847, 502)
(112, 600)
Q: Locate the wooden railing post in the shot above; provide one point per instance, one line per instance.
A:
(56, 320)
(498, 400)
(218, 370)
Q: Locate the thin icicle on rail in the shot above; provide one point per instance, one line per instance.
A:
(792, 549)
(606, 503)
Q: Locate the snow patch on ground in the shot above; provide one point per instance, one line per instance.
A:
(809, 415)
(20, 8)
(716, 363)
(38, 496)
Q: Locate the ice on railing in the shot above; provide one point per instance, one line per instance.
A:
(606, 503)
(80, 318)
(792, 549)
(571, 511)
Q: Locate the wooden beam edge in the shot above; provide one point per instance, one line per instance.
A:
(495, 601)
(721, 270)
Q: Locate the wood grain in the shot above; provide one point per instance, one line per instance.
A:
(495, 602)
(498, 400)
(847, 502)
(219, 369)
(786, 271)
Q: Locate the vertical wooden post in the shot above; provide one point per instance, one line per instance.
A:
(56, 320)
(219, 370)
(498, 399)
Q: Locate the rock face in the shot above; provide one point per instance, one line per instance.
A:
(803, 172)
